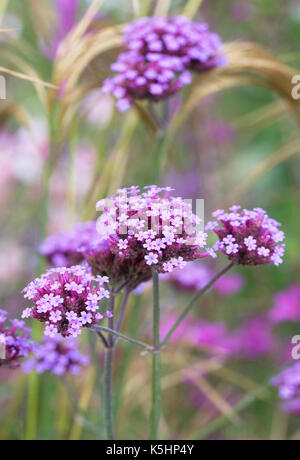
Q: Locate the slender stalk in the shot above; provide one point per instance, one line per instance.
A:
(122, 312)
(102, 338)
(123, 337)
(192, 301)
(156, 371)
(108, 377)
(32, 410)
(128, 352)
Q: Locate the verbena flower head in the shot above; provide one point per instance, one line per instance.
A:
(286, 305)
(65, 249)
(66, 300)
(14, 341)
(248, 237)
(288, 384)
(159, 54)
(144, 230)
(56, 355)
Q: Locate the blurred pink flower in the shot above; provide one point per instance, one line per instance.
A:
(286, 305)
(252, 340)
(221, 132)
(242, 11)
(97, 108)
(197, 332)
(288, 384)
(195, 276)
(66, 12)
(12, 261)
(229, 284)
(22, 155)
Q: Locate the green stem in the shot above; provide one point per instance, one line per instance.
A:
(156, 370)
(108, 378)
(122, 310)
(123, 337)
(128, 352)
(192, 301)
(108, 383)
(32, 411)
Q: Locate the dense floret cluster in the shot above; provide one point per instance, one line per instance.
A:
(66, 300)
(15, 341)
(248, 237)
(159, 54)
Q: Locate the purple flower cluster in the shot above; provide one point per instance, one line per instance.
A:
(56, 355)
(141, 230)
(288, 383)
(66, 11)
(199, 333)
(14, 341)
(286, 305)
(248, 237)
(66, 299)
(65, 249)
(159, 54)
(195, 276)
(252, 340)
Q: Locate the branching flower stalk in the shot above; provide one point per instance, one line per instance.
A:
(141, 235)
(190, 305)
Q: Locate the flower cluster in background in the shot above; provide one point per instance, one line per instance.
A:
(248, 237)
(253, 339)
(66, 299)
(286, 305)
(195, 276)
(15, 341)
(65, 249)
(56, 355)
(288, 384)
(66, 12)
(159, 54)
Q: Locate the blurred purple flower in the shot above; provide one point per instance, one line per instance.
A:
(288, 384)
(242, 11)
(286, 305)
(56, 355)
(252, 340)
(192, 278)
(229, 284)
(195, 276)
(65, 249)
(220, 131)
(66, 12)
(159, 53)
(199, 333)
(15, 341)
